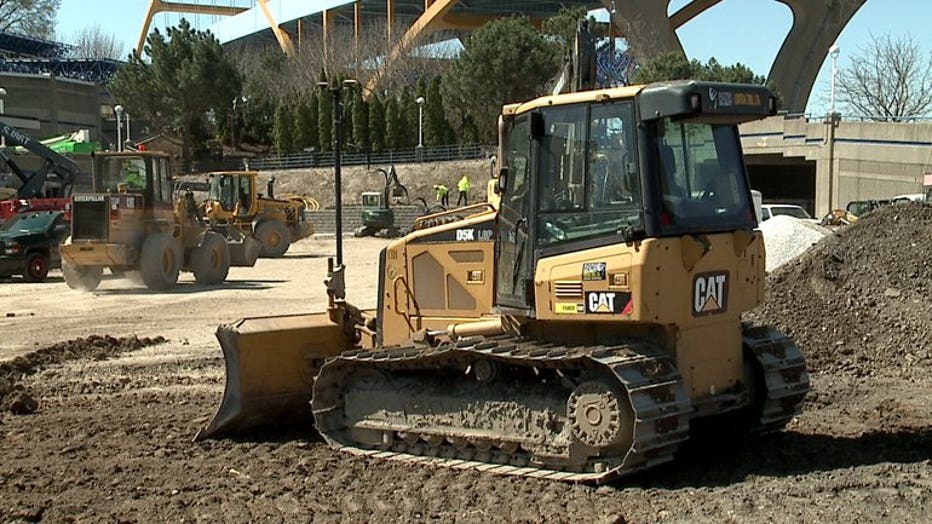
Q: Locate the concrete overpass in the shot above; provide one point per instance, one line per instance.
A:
(824, 164)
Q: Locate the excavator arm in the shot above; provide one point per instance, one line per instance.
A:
(65, 168)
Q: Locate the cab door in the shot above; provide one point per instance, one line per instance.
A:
(513, 250)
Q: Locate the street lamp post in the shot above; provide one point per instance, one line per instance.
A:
(2, 96)
(237, 100)
(420, 121)
(336, 91)
(832, 120)
(118, 111)
(834, 51)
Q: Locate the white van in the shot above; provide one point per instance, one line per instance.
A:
(772, 210)
(913, 197)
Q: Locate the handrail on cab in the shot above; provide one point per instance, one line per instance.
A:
(469, 210)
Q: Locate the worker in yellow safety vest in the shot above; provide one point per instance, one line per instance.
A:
(443, 194)
(463, 187)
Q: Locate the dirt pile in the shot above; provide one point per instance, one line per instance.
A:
(17, 399)
(860, 301)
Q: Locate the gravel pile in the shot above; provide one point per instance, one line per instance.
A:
(860, 301)
(786, 238)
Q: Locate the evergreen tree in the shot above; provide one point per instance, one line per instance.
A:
(185, 76)
(409, 118)
(349, 100)
(377, 124)
(469, 133)
(674, 66)
(303, 126)
(360, 119)
(506, 60)
(283, 129)
(325, 119)
(421, 88)
(313, 133)
(393, 131)
(436, 129)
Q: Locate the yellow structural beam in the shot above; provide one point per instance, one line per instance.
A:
(284, 40)
(160, 6)
(430, 20)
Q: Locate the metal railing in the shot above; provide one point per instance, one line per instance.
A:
(398, 156)
(815, 117)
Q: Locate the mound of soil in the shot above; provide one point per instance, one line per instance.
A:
(18, 400)
(859, 301)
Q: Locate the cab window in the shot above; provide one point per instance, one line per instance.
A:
(702, 178)
(589, 178)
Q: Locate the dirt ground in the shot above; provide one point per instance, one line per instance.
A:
(110, 439)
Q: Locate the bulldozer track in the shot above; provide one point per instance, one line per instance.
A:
(643, 376)
(784, 374)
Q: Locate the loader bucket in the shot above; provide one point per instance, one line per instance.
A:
(245, 252)
(271, 363)
(302, 230)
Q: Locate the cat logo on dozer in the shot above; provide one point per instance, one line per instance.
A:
(710, 293)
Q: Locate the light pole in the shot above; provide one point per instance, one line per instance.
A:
(834, 51)
(420, 121)
(118, 111)
(129, 134)
(336, 92)
(2, 96)
(832, 122)
(237, 100)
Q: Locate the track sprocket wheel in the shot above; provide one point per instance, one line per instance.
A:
(598, 416)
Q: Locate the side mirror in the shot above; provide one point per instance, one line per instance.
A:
(503, 173)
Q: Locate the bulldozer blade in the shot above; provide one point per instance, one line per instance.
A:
(271, 363)
(245, 252)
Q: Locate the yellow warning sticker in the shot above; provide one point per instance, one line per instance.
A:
(564, 308)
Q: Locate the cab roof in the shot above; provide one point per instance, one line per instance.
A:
(595, 95)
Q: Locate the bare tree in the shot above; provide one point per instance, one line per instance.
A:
(94, 42)
(268, 71)
(890, 80)
(29, 17)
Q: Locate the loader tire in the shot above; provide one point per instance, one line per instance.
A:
(81, 278)
(211, 260)
(275, 238)
(160, 261)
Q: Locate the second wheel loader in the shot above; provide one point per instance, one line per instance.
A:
(571, 328)
(235, 207)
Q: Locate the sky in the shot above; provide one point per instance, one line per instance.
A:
(746, 31)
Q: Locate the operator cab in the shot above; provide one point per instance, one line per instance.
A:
(619, 165)
(233, 191)
(141, 174)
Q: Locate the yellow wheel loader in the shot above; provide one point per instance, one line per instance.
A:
(132, 224)
(235, 208)
(569, 329)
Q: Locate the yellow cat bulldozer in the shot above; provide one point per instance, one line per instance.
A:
(133, 224)
(572, 327)
(236, 209)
